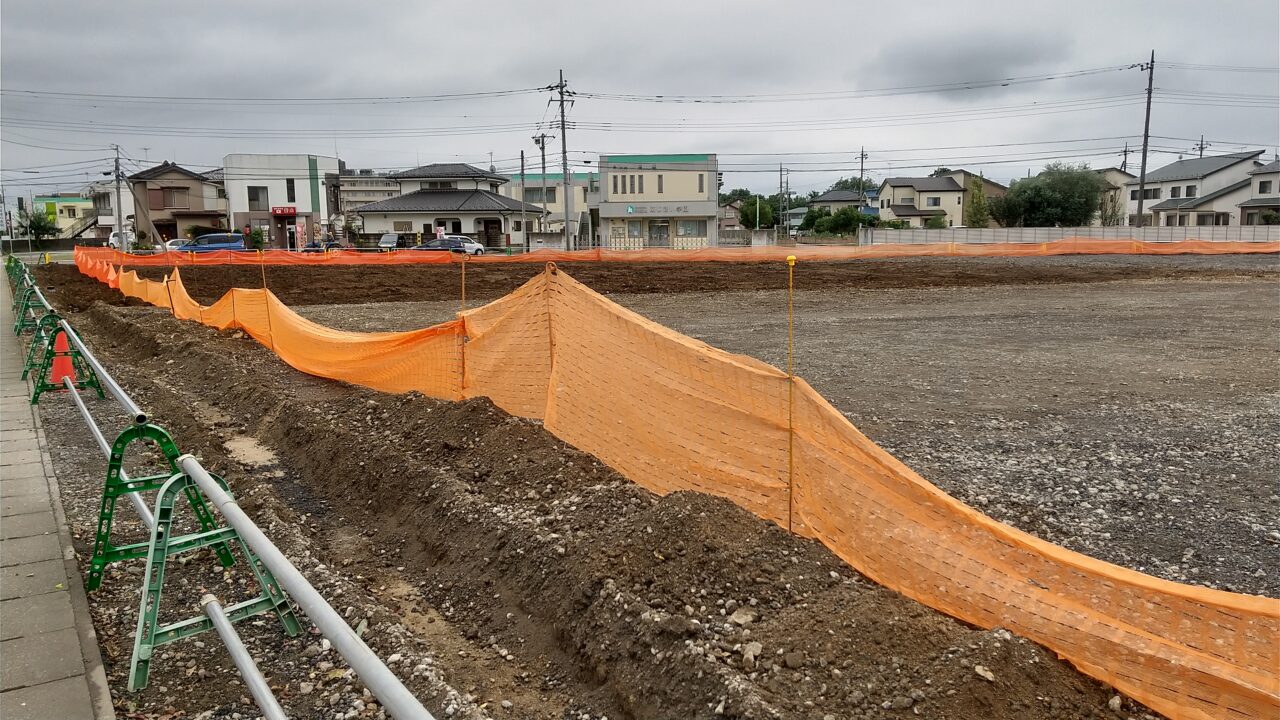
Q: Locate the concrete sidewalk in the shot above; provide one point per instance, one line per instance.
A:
(50, 664)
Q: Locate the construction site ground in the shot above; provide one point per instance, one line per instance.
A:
(1124, 407)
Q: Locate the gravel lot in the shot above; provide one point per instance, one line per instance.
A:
(1134, 421)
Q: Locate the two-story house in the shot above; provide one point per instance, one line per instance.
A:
(168, 198)
(72, 213)
(1195, 191)
(665, 201)
(836, 200)
(1264, 196)
(1111, 204)
(286, 195)
(916, 199)
(103, 197)
(457, 198)
(729, 216)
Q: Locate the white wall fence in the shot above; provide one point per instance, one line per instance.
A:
(1211, 233)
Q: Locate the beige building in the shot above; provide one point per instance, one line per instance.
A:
(665, 201)
(836, 200)
(730, 216)
(71, 212)
(169, 198)
(361, 187)
(915, 200)
(547, 191)
(1112, 203)
(1264, 194)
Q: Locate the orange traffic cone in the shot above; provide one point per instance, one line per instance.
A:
(62, 367)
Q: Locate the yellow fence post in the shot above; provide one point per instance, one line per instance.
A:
(791, 391)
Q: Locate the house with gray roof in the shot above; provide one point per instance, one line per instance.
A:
(917, 199)
(452, 198)
(1264, 195)
(1176, 193)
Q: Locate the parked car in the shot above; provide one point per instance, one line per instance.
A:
(391, 241)
(175, 244)
(114, 240)
(453, 243)
(315, 246)
(213, 242)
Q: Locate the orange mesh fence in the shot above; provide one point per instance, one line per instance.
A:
(672, 413)
(1067, 246)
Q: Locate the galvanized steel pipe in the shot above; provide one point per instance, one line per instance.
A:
(249, 671)
(394, 696)
(138, 503)
(130, 407)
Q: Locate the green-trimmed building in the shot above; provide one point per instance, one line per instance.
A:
(662, 201)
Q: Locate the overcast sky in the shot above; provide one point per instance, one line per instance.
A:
(896, 70)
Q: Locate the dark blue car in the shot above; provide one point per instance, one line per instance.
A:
(214, 241)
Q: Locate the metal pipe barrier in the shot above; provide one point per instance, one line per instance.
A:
(135, 499)
(249, 670)
(394, 696)
(130, 407)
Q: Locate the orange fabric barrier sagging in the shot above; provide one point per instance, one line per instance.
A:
(672, 413)
(1067, 246)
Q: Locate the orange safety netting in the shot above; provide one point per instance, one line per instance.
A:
(1067, 246)
(672, 413)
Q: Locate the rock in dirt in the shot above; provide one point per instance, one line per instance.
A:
(984, 673)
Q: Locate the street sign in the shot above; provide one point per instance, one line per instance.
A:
(284, 210)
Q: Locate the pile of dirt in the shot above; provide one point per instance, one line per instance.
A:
(633, 605)
(377, 283)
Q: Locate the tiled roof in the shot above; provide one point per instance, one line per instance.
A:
(913, 211)
(448, 171)
(839, 196)
(925, 184)
(469, 201)
(1271, 167)
(1195, 168)
(163, 168)
(1261, 202)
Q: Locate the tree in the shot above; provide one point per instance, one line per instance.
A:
(1110, 212)
(936, 222)
(812, 217)
(1062, 195)
(1269, 217)
(747, 215)
(940, 172)
(36, 226)
(976, 212)
(735, 195)
(855, 184)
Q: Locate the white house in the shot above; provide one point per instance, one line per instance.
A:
(456, 197)
(103, 195)
(1176, 193)
(285, 195)
(1264, 195)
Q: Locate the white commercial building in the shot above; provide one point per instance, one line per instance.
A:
(288, 196)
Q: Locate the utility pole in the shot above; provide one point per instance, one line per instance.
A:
(564, 163)
(775, 222)
(1146, 136)
(1202, 145)
(862, 174)
(524, 216)
(1124, 162)
(124, 239)
(541, 141)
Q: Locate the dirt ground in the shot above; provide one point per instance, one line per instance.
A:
(514, 576)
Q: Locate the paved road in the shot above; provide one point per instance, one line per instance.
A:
(50, 665)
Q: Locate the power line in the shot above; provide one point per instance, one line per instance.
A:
(207, 100)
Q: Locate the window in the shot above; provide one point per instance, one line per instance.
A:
(659, 184)
(641, 183)
(691, 228)
(536, 195)
(631, 183)
(290, 195)
(1153, 194)
(1191, 191)
(1169, 220)
(402, 226)
(1133, 194)
(633, 228)
(71, 212)
(909, 200)
(515, 225)
(1204, 219)
(493, 187)
(258, 199)
(176, 198)
(584, 196)
(221, 193)
(702, 183)
(615, 184)
(440, 185)
(933, 201)
(958, 199)
(1175, 192)
(1182, 220)
(1264, 187)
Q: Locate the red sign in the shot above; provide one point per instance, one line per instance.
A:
(284, 210)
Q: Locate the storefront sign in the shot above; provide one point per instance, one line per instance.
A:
(284, 210)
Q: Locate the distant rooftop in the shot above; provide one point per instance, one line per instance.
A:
(647, 159)
(1196, 168)
(447, 171)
